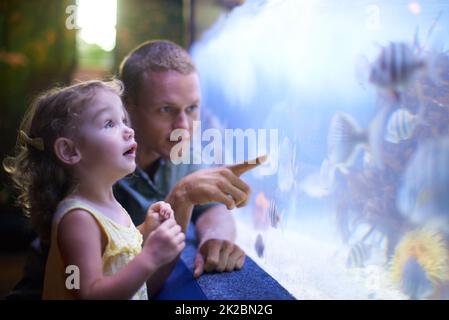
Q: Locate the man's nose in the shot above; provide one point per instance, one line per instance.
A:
(181, 121)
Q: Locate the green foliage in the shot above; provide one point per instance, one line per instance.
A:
(36, 51)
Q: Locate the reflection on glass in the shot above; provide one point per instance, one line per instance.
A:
(358, 206)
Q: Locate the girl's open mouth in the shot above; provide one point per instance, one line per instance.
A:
(131, 151)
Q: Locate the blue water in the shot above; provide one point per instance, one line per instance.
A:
(290, 65)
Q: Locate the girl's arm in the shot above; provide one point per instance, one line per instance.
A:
(82, 244)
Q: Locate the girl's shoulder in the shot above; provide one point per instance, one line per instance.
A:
(78, 203)
(70, 203)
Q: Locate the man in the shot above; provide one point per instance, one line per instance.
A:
(162, 94)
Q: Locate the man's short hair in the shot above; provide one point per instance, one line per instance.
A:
(156, 56)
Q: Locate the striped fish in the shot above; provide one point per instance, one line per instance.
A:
(259, 246)
(273, 214)
(358, 254)
(395, 66)
(343, 139)
(400, 126)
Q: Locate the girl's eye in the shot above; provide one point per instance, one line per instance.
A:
(109, 124)
(125, 120)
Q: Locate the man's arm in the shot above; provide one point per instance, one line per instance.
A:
(222, 184)
(216, 232)
(216, 226)
(181, 203)
(215, 223)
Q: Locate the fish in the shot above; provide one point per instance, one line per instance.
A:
(267, 213)
(398, 64)
(395, 67)
(401, 126)
(345, 137)
(259, 246)
(358, 254)
(422, 196)
(415, 283)
(273, 214)
(260, 211)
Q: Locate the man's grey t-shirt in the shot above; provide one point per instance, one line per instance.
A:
(137, 191)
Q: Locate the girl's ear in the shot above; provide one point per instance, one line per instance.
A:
(66, 151)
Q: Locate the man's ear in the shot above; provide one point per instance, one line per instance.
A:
(66, 151)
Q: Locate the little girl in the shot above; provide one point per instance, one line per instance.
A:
(73, 145)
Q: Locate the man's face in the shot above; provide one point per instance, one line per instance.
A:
(166, 101)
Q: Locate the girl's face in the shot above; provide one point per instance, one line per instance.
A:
(106, 143)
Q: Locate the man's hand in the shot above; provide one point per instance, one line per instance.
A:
(221, 184)
(241, 168)
(218, 255)
(215, 254)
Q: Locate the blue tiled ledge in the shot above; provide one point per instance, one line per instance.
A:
(249, 283)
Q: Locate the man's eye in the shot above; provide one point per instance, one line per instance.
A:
(165, 109)
(192, 108)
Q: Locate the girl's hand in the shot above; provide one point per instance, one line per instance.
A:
(156, 214)
(164, 209)
(164, 243)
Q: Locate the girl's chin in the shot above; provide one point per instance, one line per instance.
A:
(130, 169)
(133, 167)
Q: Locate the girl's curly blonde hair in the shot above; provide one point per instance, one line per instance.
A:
(40, 178)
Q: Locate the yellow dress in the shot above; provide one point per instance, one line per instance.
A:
(122, 245)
